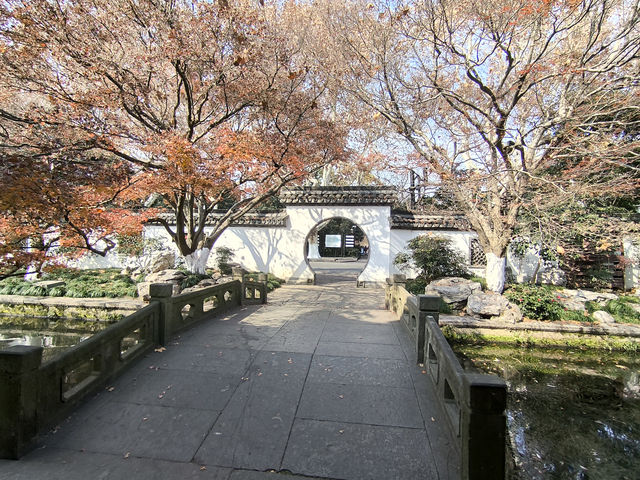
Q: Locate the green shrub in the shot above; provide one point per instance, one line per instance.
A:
(538, 302)
(416, 286)
(434, 257)
(445, 307)
(192, 279)
(575, 316)
(223, 256)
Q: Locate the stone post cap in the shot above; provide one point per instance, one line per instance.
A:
(160, 290)
(237, 272)
(398, 278)
(487, 393)
(429, 303)
(20, 358)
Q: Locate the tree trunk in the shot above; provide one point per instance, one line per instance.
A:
(495, 273)
(196, 262)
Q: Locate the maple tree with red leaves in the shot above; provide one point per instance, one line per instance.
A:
(108, 102)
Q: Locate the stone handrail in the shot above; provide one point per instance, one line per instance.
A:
(473, 404)
(35, 395)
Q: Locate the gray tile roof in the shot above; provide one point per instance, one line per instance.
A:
(254, 219)
(429, 222)
(338, 196)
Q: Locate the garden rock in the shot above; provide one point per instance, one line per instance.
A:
(603, 317)
(486, 304)
(511, 314)
(162, 261)
(552, 276)
(172, 276)
(454, 290)
(576, 299)
(166, 276)
(204, 283)
(143, 289)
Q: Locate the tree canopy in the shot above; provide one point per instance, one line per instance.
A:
(202, 101)
(506, 105)
(491, 94)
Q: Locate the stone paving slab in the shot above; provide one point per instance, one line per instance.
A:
(253, 475)
(360, 371)
(360, 333)
(357, 451)
(367, 404)
(253, 431)
(194, 390)
(207, 358)
(344, 349)
(52, 463)
(165, 433)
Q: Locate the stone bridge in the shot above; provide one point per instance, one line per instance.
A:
(321, 382)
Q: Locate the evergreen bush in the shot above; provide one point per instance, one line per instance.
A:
(434, 257)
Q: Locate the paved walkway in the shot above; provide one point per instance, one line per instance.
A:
(320, 382)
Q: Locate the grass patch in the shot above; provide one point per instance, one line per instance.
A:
(78, 283)
(524, 339)
(620, 309)
(416, 286)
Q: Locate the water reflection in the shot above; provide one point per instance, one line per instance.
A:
(571, 414)
(53, 342)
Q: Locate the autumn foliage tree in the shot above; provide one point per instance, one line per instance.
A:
(202, 101)
(491, 94)
(46, 203)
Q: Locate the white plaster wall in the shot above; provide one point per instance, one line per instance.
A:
(374, 222)
(281, 251)
(93, 261)
(461, 241)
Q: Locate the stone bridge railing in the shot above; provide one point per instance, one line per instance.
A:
(35, 395)
(473, 404)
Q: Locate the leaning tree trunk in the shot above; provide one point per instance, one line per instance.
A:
(495, 273)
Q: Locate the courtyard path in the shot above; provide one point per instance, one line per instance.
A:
(319, 383)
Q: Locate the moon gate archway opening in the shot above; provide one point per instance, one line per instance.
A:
(336, 250)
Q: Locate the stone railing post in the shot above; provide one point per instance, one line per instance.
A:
(238, 274)
(396, 280)
(429, 306)
(161, 293)
(18, 399)
(484, 427)
(263, 278)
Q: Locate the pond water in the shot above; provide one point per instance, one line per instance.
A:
(571, 414)
(53, 342)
